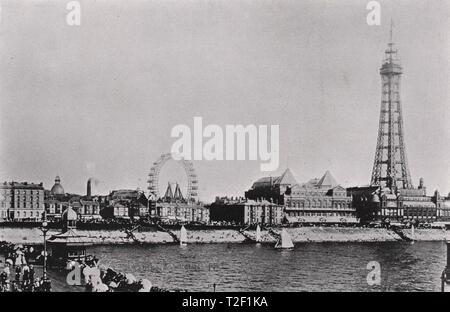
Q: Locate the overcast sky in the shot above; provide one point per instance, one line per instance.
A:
(101, 99)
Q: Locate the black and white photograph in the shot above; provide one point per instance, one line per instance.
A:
(216, 146)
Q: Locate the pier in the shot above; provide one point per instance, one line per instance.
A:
(172, 234)
(131, 236)
(400, 233)
(248, 238)
(274, 234)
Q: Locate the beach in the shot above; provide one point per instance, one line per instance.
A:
(19, 235)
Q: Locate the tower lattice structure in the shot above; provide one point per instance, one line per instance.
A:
(390, 167)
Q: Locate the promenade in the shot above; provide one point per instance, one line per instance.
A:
(299, 235)
(58, 279)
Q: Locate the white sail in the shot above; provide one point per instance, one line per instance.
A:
(285, 241)
(412, 232)
(258, 234)
(183, 236)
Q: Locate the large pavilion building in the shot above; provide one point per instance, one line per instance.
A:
(316, 201)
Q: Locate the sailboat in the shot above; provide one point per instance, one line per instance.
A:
(183, 236)
(285, 241)
(258, 234)
(412, 234)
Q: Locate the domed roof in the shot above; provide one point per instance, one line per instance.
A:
(69, 215)
(57, 188)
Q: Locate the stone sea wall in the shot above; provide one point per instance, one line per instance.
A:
(319, 234)
(299, 235)
(427, 234)
(213, 236)
(103, 237)
(328, 234)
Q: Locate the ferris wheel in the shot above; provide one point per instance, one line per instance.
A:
(192, 180)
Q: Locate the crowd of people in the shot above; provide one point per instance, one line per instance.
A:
(18, 274)
(98, 278)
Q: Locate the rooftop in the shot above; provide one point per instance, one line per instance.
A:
(287, 178)
(21, 185)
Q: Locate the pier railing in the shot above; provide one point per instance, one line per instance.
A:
(172, 234)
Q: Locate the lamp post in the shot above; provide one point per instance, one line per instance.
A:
(44, 230)
(46, 283)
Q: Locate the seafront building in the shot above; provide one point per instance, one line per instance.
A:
(182, 212)
(54, 209)
(442, 206)
(120, 204)
(316, 201)
(272, 189)
(86, 208)
(57, 201)
(246, 211)
(373, 203)
(324, 201)
(125, 204)
(174, 207)
(21, 201)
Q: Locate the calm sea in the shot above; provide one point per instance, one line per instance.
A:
(309, 267)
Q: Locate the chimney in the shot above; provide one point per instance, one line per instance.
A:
(88, 192)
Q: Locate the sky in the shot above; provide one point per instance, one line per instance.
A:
(100, 99)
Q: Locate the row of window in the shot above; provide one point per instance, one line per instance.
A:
(415, 199)
(22, 199)
(408, 212)
(185, 214)
(258, 216)
(58, 209)
(318, 194)
(26, 214)
(266, 211)
(263, 220)
(52, 210)
(120, 211)
(319, 214)
(28, 198)
(174, 211)
(24, 205)
(89, 210)
(319, 204)
(17, 191)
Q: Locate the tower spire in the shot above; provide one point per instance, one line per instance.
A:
(390, 51)
(390, 33)
(390, 167)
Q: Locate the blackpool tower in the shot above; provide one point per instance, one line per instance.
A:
(390, 168)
